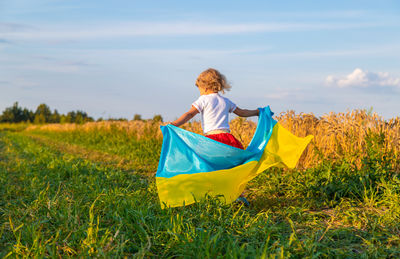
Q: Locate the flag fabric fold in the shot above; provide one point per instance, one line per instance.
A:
(192, 166)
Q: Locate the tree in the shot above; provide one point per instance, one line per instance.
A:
(82, 117)
(55, 117)
(157, 118)
(12, 114)
(70, 118)
(77, 117)
(39, 119)
(137, 117)
(28, 115)
(42, 114)
(63, 118)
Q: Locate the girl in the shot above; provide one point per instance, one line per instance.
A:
(214, 108)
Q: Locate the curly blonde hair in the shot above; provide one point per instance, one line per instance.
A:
(212, 79)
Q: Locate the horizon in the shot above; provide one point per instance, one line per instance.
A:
(131, 57)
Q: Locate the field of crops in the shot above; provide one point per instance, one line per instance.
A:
(89, 190)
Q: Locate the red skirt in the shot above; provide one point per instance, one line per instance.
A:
(226, 138)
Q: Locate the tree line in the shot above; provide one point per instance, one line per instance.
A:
(43, 114)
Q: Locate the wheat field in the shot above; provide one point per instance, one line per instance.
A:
(336, 135)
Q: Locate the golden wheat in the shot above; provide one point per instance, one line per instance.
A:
(339, 135)
(336, 135)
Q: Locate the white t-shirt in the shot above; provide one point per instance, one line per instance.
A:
(214, 110)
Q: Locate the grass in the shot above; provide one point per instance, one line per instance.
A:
(91, 193)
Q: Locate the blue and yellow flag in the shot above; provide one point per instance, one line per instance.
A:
(192, 165)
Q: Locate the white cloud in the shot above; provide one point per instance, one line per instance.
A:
(363, 79)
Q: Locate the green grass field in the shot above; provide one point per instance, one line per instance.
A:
(93, 194)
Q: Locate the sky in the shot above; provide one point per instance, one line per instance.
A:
(115, 59)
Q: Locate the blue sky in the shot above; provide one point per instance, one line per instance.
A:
(119, 58)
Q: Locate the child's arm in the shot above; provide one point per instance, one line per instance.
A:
(185, 117)
(245, 113)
